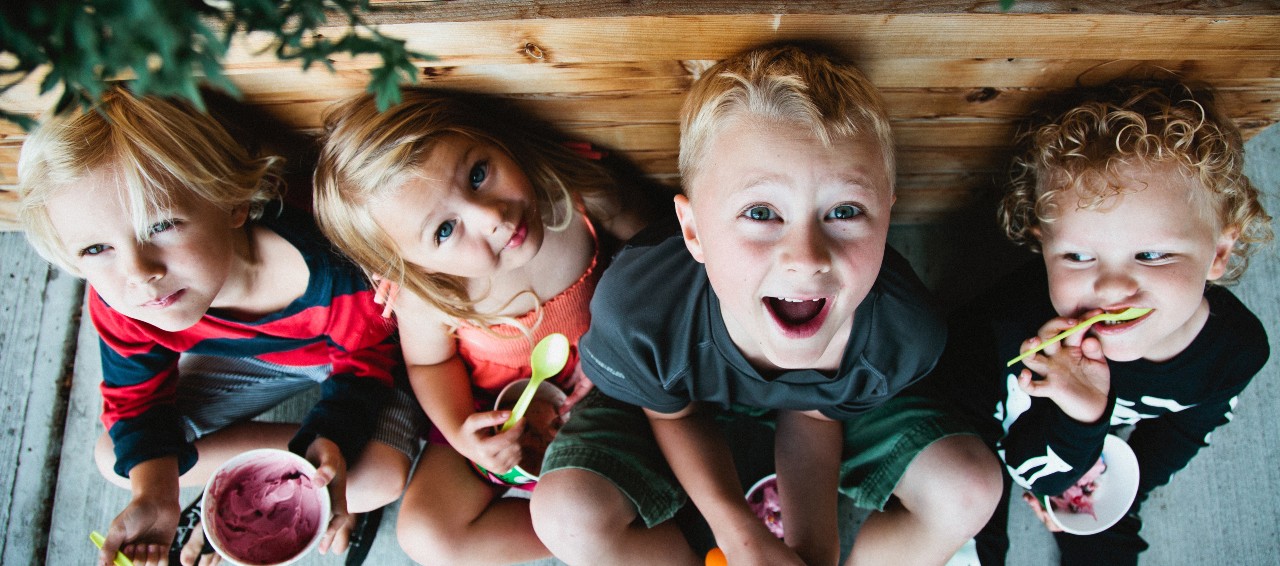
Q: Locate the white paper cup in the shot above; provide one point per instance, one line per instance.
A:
(1117, 486)
(246, 524)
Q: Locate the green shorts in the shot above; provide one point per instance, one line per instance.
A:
(614, 440)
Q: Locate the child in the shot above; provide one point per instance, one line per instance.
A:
(498, 234)
(1135, 197)
(212, 305)
(777, 292)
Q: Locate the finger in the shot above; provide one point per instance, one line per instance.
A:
(153, 556)
(112, 544)
(1092, 349)
(1031, 387)
(579, 392)
(487, 419)
(342, 539)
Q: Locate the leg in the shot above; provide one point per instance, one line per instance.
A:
(606, 495)
(450, 515)
(947, 494)
(808, 462)
(993, 540)
(377, 479)
(585, 519)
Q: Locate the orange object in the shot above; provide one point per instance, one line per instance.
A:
(715, 557)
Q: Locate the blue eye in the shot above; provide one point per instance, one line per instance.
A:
(844, 212)
(444, 231)
(479, 172)
(1151, 256)
(1077, 257)
(159, 227)
(760, 213)
(93, 250)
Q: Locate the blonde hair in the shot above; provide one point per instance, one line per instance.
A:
(366, 153)
(154, 147)
(786, 84)
(1135, 122)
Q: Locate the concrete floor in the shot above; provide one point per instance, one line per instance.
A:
(1223, 509)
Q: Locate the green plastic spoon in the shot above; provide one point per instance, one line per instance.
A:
(1126, 314)
(547, 359)
(99, 540)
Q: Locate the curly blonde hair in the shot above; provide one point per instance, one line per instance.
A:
(788, 84)
(1133, 122)
(156, 147)
(367, 152)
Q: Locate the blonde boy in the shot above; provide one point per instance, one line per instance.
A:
(776, 297)
(1134, 196)
(212, 306)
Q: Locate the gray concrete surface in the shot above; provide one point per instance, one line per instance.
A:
(1223, 509)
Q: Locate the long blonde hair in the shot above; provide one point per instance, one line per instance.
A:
(366, 153)
(156, 146)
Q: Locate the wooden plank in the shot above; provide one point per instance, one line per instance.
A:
(485, 10)
(858, 37)
(38, 321)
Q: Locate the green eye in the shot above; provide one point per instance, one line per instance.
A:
(844, 212)
(760, 213)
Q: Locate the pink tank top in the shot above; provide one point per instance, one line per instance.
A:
(495, 361)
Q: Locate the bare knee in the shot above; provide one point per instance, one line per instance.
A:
(574, 510)
(377, 479)
(955, 482)
(425, 538)
(104, 455)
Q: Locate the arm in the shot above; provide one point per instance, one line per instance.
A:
(443, 388)
(808, 450)
(701, 461)
(151, 516)
(1060, 435)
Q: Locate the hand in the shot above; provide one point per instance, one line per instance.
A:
(143, 531)
(1076, 376)
(331, 473)
(482, 443)
(1040, 512)
(578, 385)
(761, 548)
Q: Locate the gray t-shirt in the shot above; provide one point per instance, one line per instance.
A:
(658, 340)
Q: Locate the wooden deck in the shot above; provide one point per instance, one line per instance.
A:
(1223, 509)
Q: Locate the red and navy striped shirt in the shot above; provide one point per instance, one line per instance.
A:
(334, 323)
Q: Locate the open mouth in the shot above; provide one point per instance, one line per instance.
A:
(799, 318)
(1106, 327)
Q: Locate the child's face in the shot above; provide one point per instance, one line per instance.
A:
(1148, 248)
(792, 234)
(170, 280)
(471, 212)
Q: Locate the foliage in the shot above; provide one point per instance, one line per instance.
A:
(168, 47)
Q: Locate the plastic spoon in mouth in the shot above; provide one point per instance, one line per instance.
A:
(548, 358)
(1126, 314)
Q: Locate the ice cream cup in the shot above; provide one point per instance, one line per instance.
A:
(506, 399)
(768, 511)
(261, 508)
(1117, 486)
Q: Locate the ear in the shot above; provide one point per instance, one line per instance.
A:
(239, 215)
(1222, 252)
(688, 227)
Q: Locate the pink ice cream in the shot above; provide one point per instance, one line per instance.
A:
(766, 505)
(1079, 497)
(266, 511)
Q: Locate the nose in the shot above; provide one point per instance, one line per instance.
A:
(1114, 285)
(805, 249)
(486, 215)
(141, 265)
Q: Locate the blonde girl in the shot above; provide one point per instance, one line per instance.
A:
(494, 232)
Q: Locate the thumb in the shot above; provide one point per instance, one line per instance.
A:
(111, 545)
(325, 473)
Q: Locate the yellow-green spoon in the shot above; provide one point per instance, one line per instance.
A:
(1126, 314)
(547, 359)
(121, 559)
